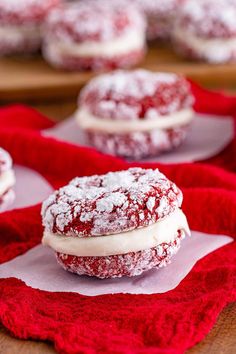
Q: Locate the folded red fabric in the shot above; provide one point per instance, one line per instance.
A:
(122, 323)
(219, 104)
(213, 102)
(23, 117)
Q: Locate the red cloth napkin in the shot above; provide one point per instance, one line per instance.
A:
(121, 323)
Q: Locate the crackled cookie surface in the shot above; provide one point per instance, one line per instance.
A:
(121, 223)
(135, 114)
(94, 35)
(206, 30)
(160, 16)
(20, 24)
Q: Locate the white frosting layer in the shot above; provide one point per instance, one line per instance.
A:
(88, 121)
(133, 40)
(7, 181)
(215, 50)
(19, 33)
(136, 240)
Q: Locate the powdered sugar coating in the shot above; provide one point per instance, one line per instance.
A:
(157, 6)
(5, 161)
(130, 264)
(138, 94)
(93, 21)
(20, 25)
(218, 53)
(138, 145)
(111, 203)
(91, 36)
(25, 11)
(208, 18)
(160, 16)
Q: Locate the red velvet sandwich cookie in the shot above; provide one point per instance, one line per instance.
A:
(94, 35)
(135, 114)
(120, 223)
(206, 30)
(7, 180)
(160, 17)
(20, 24)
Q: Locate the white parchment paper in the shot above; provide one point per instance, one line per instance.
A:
(38, 268)
(207, 136)
(30, 188)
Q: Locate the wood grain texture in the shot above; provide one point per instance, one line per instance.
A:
(24, 79)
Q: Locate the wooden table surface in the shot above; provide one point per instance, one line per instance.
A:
(221, 339)
(24, 79)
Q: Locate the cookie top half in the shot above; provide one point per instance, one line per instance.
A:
(112, 203)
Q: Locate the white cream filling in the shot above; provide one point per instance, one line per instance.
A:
(136, 240)
(133, 40)
(90, 122)
(17, 33)
(7, 181)
(216, 49)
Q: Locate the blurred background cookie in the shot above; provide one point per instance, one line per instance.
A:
(135, 114)
(20, 25)
(94, 35)
(206, 30)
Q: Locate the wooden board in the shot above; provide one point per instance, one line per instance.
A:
(24, 79)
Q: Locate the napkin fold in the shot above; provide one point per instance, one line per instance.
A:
(123, 323)
(24, 117)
